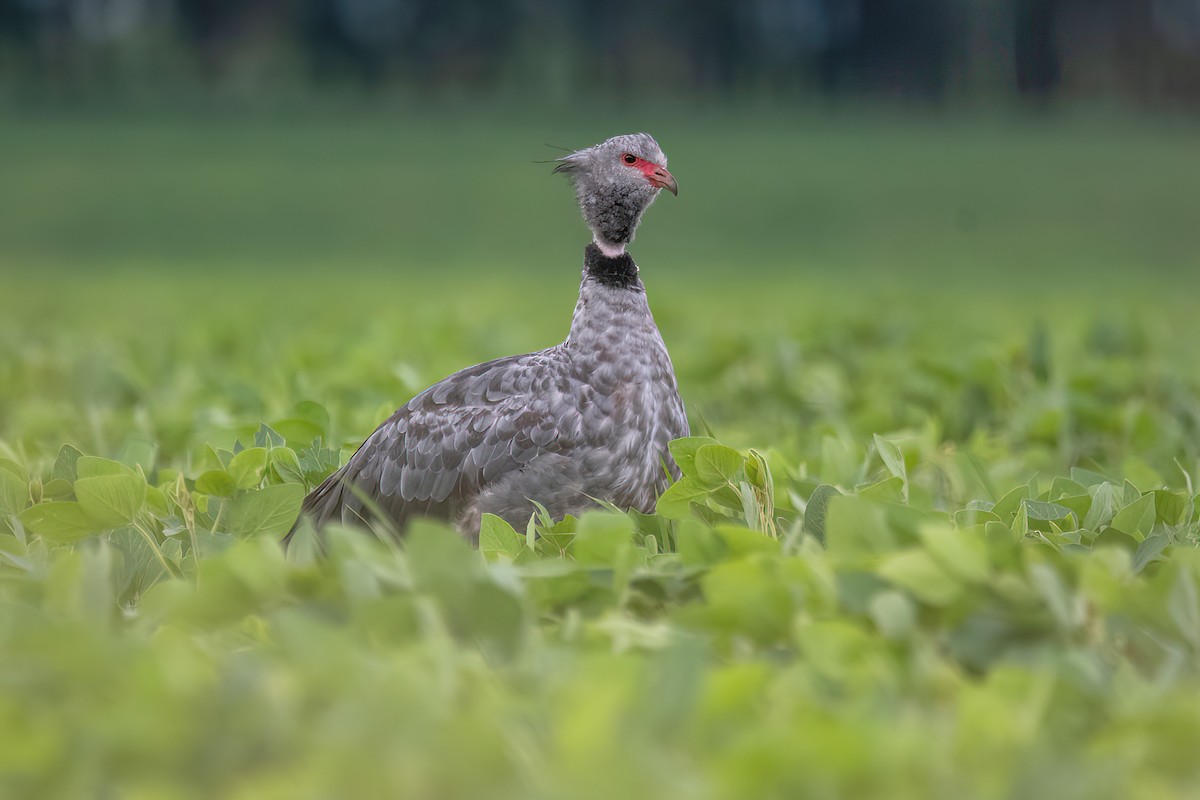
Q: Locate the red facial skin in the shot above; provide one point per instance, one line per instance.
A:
(658, 176)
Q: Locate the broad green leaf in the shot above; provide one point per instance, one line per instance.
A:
(1088, 478)
(265, 437)
(893, 459)
(497, 538)
(744, 541)
(216, 482)
(246, 467)
(893, 613)
(676, 501)
(1020, 523)
(888, 490)
(1009, 504)
(1105, 502)
(684, 451)
(299, 432)
(14, 488)
(1079, 504)
(961, 553)
(697, 544)
(1037, 509)
(265, 512)
(922, 576)
(58, 522)
(58, 489)
(315, 414)
(286, 464)
(1169, 507)
(139, 452)
(1137, 518)
(601, 538)
(717, 465)
(94, 467)
(65, 464)
(856, 528)
(111, 500)
(1184, 607)
(1150, 550)
(815, 511)
(1066, 607)
(1065, 487)
(746, 598)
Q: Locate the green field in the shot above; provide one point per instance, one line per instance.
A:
(939, 540)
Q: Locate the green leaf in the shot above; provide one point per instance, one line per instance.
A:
(697, 544)
(1169, 507)
(684, 451)
(893, 613)
(266, 512)
(315, 414)
(888, 490)
(58, 489)
(1105, 502)
(65, 464)
(676, 501)
(267, 437)
(717, 465)
(497, 538)
(14, 488)
(299, 432)
(961, 553)
(1088, 478)
(893, 459)
(59, 522)
(1150, 550)
(1010, 503)
(856, 528)
(111, 501)
(1037, 509)
(601, 538)
(94, 467)
(216, 482)
(1184, 607)
(1137, 518)
(816, 509)
(1059, 599)
(744, 541)
(139, 452)
(246, 467)
(286, 464)
(917, 572)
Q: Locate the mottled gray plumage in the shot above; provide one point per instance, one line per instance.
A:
(586, 419)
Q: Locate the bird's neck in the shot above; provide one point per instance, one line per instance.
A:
(612, 319)
(617, 271)
(609, 250)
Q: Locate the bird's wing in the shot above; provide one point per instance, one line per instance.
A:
(433, 455)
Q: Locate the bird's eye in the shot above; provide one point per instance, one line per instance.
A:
(629, 159)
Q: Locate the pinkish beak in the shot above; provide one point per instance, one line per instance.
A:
(661, 179)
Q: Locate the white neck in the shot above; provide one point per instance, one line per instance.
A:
(610, 251)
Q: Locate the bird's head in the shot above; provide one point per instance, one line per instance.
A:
(616, 181)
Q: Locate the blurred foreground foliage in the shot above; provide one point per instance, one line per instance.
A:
(935, 547)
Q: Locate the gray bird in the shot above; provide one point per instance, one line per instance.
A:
(584, 420)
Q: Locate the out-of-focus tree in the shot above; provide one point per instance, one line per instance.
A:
(932, 50)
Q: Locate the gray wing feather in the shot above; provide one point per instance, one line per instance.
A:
(433, 455)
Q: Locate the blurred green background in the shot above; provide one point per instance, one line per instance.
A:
(811, 137)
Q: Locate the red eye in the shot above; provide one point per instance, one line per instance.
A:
(629, 159)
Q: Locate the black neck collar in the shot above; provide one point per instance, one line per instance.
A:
(617, 271)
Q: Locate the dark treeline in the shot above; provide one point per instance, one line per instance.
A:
(1147, 51)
